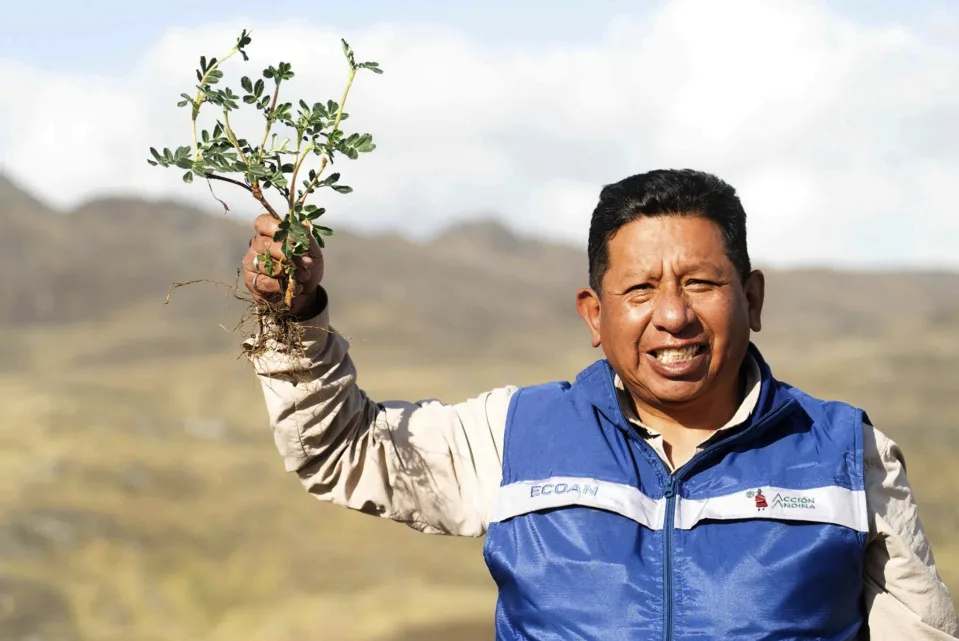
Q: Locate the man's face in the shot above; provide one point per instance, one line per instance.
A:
(673, 317)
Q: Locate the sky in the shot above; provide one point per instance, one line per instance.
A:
(837, 122)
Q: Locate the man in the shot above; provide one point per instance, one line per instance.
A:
(674, 490)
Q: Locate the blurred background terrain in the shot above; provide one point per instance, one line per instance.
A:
(141, 497)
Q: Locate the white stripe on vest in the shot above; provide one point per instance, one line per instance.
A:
(562, 491)
(831, 504)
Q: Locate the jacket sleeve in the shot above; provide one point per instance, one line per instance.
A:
(433, 466)
(905, 597)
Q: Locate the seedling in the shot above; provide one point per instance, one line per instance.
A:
(276, 163)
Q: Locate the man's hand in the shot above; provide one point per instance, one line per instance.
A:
(263, 287)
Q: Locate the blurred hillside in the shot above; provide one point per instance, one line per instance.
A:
(140, 494)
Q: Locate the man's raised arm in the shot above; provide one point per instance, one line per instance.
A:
(433, 466)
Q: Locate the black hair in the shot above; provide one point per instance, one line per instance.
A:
(666, 192)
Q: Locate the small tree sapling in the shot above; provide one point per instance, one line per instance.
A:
(276, 162)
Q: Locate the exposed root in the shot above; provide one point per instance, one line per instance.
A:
(266, 326)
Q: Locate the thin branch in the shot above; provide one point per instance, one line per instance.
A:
(258, 194)
(229, 180)
(296, 168)
(339, 112)
(254, 189)
(232, 136)
(201, 97)
(336, 125)
(314, 181)
(269, 119)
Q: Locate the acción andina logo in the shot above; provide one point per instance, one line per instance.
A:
(782, 501)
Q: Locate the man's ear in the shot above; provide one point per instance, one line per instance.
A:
(589, 308)
(755, 287)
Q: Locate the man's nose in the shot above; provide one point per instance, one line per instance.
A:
(671, 310)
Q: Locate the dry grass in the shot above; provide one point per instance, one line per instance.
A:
(141, 496)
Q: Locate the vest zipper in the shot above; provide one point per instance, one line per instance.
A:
(670, 496)
(673, 489)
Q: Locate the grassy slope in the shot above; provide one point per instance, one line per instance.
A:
(146, 494)
(141, 497)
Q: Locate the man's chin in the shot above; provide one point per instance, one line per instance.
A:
(677, 389)
(677, 392)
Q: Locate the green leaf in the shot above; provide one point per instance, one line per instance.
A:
(372, 66)
(318, 237)
(247, 84)
(297, 239)
(243, 41)
(364, 144)
(285, 71)
(348, 52)
(341, 189)
(258, 171)
(258, 88)
(188, 177)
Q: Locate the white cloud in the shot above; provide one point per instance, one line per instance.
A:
(842, 138)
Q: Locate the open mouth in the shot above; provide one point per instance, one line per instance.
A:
(678, 354)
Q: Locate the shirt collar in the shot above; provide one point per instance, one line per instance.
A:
(746, 408)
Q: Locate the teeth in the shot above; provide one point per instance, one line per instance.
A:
(675, 355)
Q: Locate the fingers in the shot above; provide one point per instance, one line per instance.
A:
(266, 287)
(266, 225)
(263, 284)
(255, 262)
(266, 245)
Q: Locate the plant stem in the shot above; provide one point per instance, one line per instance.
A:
(232, 136)
(266, 132)
(255, 186)
(200, 97)
(269, 120)
(296, 168)
(339, 112)
(229, 180)
(258, 194)
(336, 125)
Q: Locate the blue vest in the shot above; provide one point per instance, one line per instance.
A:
(759, 536)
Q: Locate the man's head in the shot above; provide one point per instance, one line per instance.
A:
(672, 296)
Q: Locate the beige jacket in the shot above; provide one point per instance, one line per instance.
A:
(437, 468)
